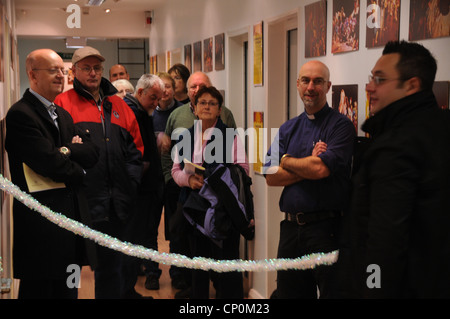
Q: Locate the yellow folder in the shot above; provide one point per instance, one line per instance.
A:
(38, 183)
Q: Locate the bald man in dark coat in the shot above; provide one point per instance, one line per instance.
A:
(41, 138)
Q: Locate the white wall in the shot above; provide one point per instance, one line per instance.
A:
(174, 27)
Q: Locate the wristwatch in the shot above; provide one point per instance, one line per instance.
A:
(64, 151)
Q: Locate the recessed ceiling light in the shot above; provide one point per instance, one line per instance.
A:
(107, 10)
(95, 2)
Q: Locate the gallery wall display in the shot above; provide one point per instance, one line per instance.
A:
(168, 60)
(345, 26)
(383, 22)
(153, 64)
(188, 56)
(345, 100)
(441, 92)
(258, 54)
(316, 29)
(258, 151)
(198, 56)
(208, 54)
(429, 19)
(219, 52)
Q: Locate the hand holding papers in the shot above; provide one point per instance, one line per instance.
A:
(191, 168)
(37, 183)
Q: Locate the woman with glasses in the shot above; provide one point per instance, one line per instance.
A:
(210, 145)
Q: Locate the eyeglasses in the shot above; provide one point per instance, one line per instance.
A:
(196, 86)
(53, 71)
(87, 69)
(378, 80)
(205, 103)
(316, 82)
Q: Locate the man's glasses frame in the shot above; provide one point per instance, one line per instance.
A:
(53, 71)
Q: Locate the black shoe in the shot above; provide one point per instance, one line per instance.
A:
(178, 282)
(141, 270)
(152, 282)
(183, 294)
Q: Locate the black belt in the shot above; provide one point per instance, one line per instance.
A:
(305, 218)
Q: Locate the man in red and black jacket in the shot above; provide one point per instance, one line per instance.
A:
(111, 185)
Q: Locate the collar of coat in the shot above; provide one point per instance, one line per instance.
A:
(394, 114)
(106, 89)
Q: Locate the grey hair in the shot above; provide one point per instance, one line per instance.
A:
(148, 81)
(125, 83)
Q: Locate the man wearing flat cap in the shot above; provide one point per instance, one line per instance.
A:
(111, 184)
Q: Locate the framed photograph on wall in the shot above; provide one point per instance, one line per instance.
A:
(441, 92)
(188, 56)
(383, 22)
(345, 100)
(258, 150)
(345, 35)
(208, 54)
(219, 56)
(258, 56)
(168, 60)
(428, 19)
(154, 64)
(316, 29)
(198, 56)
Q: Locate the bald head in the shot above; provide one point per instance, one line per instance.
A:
(313, 84)
(317, 67)
(38, 57)
(118, 72)
(195, 82)
(45, 70)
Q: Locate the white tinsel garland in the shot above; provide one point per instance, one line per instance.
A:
(306, 262)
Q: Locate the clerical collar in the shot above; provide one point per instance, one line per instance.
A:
(323, 111)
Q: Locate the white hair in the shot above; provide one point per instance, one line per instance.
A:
(127, 84)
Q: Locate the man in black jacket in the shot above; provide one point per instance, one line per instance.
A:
(42, 138)
(143, 228)
(397, 242)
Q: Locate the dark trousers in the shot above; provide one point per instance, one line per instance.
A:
(297, 241)
(175, 229)
(146, 227)
(46, 289)
(142, 229)
(108, 273)
(228, 285)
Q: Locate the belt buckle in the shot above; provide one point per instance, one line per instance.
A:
(297, 219)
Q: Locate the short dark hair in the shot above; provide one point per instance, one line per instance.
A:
(415, 61)
(209, 90)
(181, 70)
